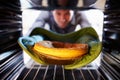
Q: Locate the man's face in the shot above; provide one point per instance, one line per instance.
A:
(62, 17)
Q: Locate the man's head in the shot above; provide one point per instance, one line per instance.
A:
(62, 17)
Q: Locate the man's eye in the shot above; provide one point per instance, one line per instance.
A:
(58, 13)
(68, 14)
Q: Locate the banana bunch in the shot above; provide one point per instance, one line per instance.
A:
(84, 36)
(59, 51)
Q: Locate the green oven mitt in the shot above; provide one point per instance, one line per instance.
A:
(85, 35)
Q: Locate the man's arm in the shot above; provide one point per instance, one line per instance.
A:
(40, 21)
(84, 22)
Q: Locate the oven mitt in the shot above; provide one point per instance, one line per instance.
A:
(85, 35)
(26, 43)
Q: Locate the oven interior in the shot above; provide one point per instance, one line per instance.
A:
(16, 65)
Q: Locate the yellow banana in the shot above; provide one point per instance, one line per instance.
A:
(67, 51)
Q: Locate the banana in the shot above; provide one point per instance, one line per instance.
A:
(64, 51)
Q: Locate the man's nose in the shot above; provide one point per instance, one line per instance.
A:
(63, 18)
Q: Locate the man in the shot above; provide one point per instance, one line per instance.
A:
(61, 20)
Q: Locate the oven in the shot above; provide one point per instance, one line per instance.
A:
(14, 65)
